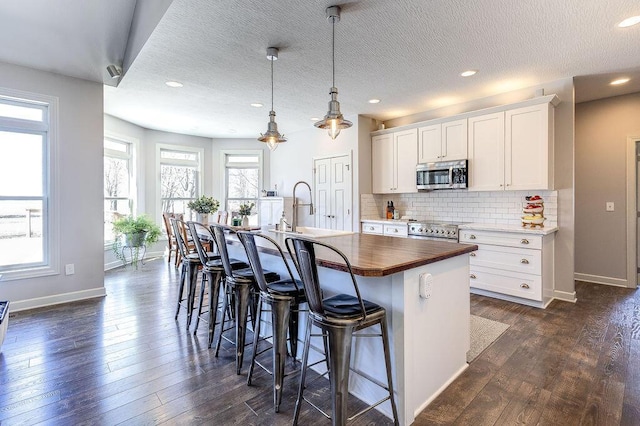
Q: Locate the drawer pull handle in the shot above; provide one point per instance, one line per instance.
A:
(524, 241)
(472, 237)
(524, 261)
(371, 228)
(524, 285)
(472, 254)
(472, 276)
(395, 230)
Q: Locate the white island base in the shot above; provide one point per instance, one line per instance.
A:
(429, 336)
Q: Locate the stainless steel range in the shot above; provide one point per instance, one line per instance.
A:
(434, 231)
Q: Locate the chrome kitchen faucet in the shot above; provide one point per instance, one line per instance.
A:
(294, 222)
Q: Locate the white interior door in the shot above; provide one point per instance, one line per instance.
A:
(333, 195)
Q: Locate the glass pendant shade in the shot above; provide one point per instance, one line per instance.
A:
(272, 137)
(333, 121)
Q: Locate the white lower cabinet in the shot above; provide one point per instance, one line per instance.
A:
(385, 228)
(511, 265)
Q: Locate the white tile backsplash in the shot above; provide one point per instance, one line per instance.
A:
(459, 206)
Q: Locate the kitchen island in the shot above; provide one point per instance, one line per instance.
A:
(429, 335)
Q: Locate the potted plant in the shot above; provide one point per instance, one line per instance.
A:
(204, 206)
(134, 233)
(245, 212)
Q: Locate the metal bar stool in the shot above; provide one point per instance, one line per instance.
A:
(188, 270)
(284, 298)
(338, 317)
(212, 274)
(241, 283)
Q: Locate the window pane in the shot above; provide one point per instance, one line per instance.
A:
(178, 182)
(21, 164)
(116, 177)
(114, 209)
(242, 183)
(178, 155)
(22, 112)
(178, 206)
(21, 232)
(116, 146)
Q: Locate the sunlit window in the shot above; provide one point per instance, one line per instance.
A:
(243, 181)
(25, 174)
(179, 179)
(118, 183)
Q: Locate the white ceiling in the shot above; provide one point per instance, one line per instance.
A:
(407, 53)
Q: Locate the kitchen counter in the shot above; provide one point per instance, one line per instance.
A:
(429, 333)
(549, 228)
(378, 256)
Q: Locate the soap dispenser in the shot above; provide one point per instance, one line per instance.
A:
(283, 222)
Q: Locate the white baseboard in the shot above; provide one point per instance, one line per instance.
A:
(565, 296)
(597, 279)
(56, 299)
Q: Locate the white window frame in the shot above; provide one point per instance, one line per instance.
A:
(160, 161)
(223, 170)
(50, 198)
(132, 157)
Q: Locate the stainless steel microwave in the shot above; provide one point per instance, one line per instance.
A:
(442, 175)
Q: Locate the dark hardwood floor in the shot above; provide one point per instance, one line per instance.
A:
(124, 359)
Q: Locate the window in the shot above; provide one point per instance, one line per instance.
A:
(26, 193)
(179, 178)
(243, 181)
(118, 183)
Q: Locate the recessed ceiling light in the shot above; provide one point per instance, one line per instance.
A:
(257, 105)
(619, 81)
(374, 101)
(468, 73)
(629, 22)
(315, 119)
(174, 84)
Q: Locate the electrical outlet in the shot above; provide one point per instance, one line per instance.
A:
(610, 206)
(69, 269)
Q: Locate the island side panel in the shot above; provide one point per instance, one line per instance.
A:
(434, 331)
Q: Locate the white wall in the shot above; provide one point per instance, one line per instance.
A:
(79, 165)
(293, 160)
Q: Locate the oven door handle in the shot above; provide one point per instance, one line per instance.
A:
(451, 176)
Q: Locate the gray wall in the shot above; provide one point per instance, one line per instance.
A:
(602, 128)
(80, 164)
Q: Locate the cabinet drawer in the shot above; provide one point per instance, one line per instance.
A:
(527, 286)
(508, 239)
(396, 230)
(528, 261)
(372, 228)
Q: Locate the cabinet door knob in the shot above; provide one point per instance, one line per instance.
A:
(472, 237)
(524, 285)
(472, 276)
(524, 241)
(524, 261)
(472, 254)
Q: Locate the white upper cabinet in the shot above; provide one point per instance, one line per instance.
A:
(443, 142)
(394, 161)
(512, 150)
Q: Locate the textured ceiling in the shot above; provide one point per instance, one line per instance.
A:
(407, 53)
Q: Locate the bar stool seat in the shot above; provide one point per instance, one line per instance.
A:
(284, 298)
(339, 317)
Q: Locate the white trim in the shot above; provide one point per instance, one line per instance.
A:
(223, 171)
(56, 299)
(439, 391)
(565, 296)
(597, 279)
(632, 215)
(148, 257)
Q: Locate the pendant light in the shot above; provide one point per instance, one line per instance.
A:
(333, 121)
(272, 137)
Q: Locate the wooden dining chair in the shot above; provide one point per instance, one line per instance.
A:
(171, 238)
